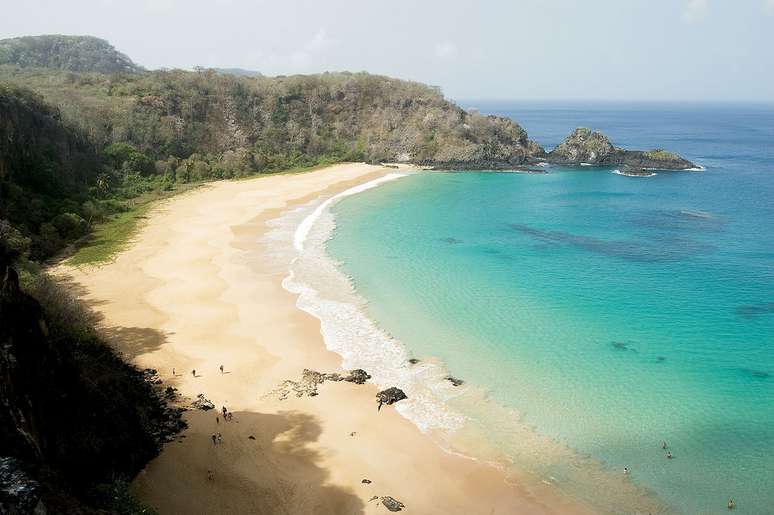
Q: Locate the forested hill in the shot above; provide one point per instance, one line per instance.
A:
(259, 123)
(74, 53)
(76, 145)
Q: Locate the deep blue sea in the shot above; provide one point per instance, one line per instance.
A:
(594, 315)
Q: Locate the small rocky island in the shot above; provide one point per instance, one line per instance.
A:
(592, 148)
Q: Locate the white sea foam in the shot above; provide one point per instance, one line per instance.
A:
(586, 164)
(326, 293)
(306, 225)
(696, 169)
(619, 172)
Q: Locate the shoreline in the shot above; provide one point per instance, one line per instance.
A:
(194, 291)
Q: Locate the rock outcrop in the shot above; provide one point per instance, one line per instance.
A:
(587, 147)
(202, 403)
(454, 381)
(311, 379)
(390, 396)
(19, 493)
(392, 504)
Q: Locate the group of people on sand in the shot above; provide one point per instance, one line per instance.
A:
(193, 372)
(227, 416)
(665, 447)
(217, 438)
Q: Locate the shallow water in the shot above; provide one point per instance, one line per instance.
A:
(587, 309)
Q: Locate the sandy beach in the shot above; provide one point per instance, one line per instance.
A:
(197, 290)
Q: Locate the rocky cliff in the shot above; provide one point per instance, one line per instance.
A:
(589, 147)
(72, 413)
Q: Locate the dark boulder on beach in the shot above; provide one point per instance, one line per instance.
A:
(357, 376)
(392, 504)
(202, 403)
(390, 396)
(587, 147)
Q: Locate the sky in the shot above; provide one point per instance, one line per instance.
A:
(685, 50)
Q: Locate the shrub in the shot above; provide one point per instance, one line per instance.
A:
(70, 225)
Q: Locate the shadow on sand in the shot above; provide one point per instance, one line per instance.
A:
(130, 342)
(277, 471)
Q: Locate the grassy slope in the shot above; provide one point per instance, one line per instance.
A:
(109, 238)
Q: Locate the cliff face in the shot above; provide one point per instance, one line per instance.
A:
(68, 404)
(584, 146)
(73, 53)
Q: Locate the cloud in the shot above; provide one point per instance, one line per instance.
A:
(303, 56)
(696, 10)
(445, 50)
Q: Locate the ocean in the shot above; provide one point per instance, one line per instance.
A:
(591, 316)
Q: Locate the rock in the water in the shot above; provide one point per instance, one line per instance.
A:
(392, 504)
(366, 481)
(587, 147)
(413, 361)
(202, 403)
(390, 396)
(357, 376)
(454, 381)
(19, 493)
(583, 146)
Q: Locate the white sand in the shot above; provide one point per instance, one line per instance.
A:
(184, 296)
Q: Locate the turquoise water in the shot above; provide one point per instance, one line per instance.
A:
(610, 312)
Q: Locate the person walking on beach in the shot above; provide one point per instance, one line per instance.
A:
(210, 475)
(626, 471)
(217, 420)
(220, 438)
(221, 369)
(193, 372)
(225, 411)
(669, 455)
(173, 372)
(664, 445)
(731, 504)
(214, 439)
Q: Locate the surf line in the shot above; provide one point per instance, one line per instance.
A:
(302, 231)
